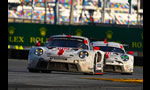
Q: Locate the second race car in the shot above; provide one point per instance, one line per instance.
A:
(117, 60)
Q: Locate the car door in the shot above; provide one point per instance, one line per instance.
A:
(98, 63)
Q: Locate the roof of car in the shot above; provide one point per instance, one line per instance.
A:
(69, 36)
(111, 44)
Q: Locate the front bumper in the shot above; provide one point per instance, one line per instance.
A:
(57, 66)
(116, 68)
(113, 68)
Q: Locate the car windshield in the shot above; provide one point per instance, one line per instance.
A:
(67, 42)
(111, 49)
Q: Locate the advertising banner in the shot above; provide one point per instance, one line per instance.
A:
(26, 34)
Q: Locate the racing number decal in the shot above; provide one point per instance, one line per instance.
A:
(60, 52)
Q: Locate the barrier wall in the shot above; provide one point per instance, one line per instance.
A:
(22, 35)
(25, 34)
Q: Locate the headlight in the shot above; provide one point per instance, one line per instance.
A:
(38, 51)
(124, 57)
(83, 54)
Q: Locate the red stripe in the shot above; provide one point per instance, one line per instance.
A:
(68, 35)
(99, 73)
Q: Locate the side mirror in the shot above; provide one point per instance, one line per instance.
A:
(96, 48)
(131, 52)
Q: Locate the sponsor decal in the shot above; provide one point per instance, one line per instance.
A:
(65, 49)
(108, 53)
(90, 68)
(83, 65)
(11, 30)
(78, 32)
(43, 31)
(109, 34)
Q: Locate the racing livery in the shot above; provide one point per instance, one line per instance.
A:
(117, 60)
(66, 53)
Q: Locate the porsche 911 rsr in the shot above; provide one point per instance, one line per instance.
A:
(66, 53)
(117, 60)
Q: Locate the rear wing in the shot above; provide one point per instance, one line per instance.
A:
(105, 41)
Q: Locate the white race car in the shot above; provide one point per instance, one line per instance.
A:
(117, 60)
(66, 53)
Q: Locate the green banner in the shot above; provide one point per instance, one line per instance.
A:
(26, 34)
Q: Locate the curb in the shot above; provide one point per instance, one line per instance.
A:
(118, 80)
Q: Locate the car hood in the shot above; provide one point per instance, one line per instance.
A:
(62, 52)
(113, 56)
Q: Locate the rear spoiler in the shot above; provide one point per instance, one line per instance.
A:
(105, 40)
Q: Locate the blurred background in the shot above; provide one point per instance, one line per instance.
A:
(76, 11)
